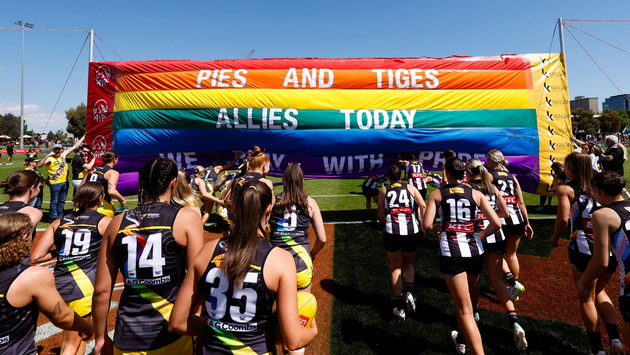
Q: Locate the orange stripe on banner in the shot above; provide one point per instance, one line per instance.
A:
(314, 78)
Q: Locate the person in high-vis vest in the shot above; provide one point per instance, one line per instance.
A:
(57, 177)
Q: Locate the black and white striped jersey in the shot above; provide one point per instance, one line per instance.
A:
(482, 220)
(459, 231)
(400, 217)
(415, 176)
(506, 183)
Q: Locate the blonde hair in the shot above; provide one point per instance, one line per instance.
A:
(475, 167)
(497, 157)
(183, 194)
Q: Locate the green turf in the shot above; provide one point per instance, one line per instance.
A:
(362, 320)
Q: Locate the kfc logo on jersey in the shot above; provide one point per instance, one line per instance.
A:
(468, 227)
(100, 110)
(417, 175)
(510, 199)
(103, 74)
(480, 216)
(587, 223)
(99, 146)
(405, 210)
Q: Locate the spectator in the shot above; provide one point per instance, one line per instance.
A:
(80, 166)
(57, 177)
(10, 153)
(31, 164)
(612, 159)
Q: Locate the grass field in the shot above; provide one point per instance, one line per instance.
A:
(361, 320)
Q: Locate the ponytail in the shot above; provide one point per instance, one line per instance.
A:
(87, 195)
(242, 245)
(475, 167)
(497, 157)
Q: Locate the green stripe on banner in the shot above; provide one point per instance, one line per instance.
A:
(291, 119)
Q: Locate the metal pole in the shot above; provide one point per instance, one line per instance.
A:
(91, 45)
(22, 104)
(561, 32)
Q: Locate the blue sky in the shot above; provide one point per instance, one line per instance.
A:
(207, 30)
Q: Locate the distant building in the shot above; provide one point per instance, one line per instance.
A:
(618, 102)
(585, 103)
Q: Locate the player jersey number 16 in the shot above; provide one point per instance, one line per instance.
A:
(151, 256)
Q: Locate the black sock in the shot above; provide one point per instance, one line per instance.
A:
(595, 341)
(409, 287)
(399, 302)
(510, 279)
(460, 337)
(612, 330)
(475, 305)
(513, 317)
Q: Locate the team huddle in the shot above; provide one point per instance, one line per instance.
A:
(239, 294)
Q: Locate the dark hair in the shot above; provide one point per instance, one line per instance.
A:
(84, 146)
(242, 245)
(557, 165)
(154, 177)
(13, 248)
(109, 156)
(448, 154)
(412, 158)
(19, 182)
(87, 195)
(394, 173)
(609, 182)
(581, 169)
(293, 194)
(456, 168)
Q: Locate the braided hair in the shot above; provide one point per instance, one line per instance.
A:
(154, 177)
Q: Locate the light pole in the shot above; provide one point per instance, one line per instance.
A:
(23, 25)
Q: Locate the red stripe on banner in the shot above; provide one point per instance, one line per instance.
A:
(504, 62)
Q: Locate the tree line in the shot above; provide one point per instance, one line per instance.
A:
(609, 122)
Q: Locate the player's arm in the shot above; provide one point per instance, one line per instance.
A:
(106, 272)
(529, 232)
(189, 222)
(434, 200)
(42, 251)
(563, 193)
(184, 319)
(41, 286)
(381, 204)
(204, 192)
(73, 148)
(502, 209)
(488, 211)
(318, 226)
(603, 221)
(112, 183)
(229, 165)
(422, 207)
(294, 335)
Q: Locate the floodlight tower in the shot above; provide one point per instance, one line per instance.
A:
(23, 25)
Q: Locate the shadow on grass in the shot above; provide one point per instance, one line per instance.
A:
(363, 323)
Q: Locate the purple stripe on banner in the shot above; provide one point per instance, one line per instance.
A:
(525, 167)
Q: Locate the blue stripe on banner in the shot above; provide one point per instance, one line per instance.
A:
(511, 141)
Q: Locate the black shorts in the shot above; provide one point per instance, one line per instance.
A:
(514, 229)
(368, 191)
(580, 261)
(395, 242)
(423, 193)
(624, 308)
(456, 265)
(497, 248)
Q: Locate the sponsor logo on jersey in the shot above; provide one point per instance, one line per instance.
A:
(467, 227)
(586, 223)
(456, 190)
(74, 258)
(480, 216)
(401, 210)
(151, 215)
(233, 327)
(148, 282)
(510, 199)
(417, 175)
(502, 173)
(4, 340)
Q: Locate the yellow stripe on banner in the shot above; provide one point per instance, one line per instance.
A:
(325, 99)
(82, 280)
(158, 302)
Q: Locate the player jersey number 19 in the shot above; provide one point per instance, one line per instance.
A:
(151, 256)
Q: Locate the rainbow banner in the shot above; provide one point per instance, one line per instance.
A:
(342, 118)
